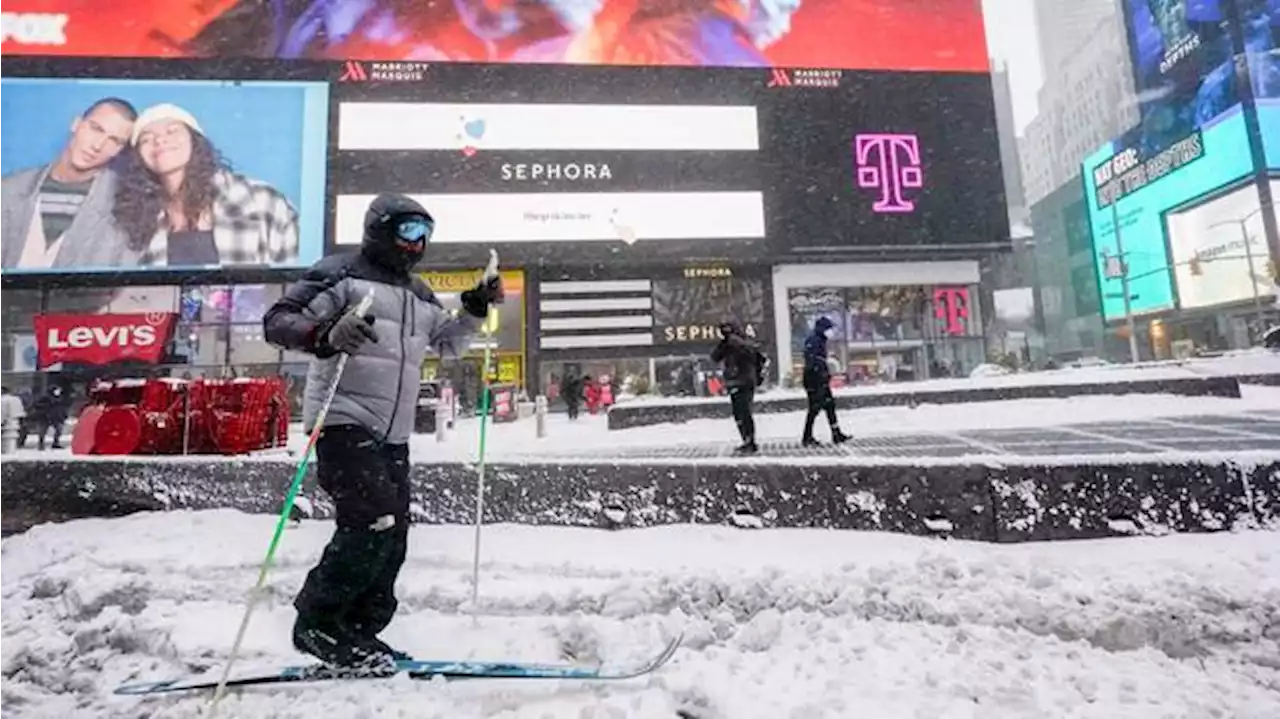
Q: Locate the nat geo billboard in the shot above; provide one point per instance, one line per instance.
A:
(1170, 206)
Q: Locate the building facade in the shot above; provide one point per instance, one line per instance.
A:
(634, 208)
(1087, 98)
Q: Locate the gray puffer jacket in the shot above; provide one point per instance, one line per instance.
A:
(379, 387)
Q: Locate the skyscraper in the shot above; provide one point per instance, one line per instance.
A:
(1007, 131)
(1062, 26)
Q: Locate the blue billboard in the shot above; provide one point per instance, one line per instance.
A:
(1183, 67)
(1121, 181)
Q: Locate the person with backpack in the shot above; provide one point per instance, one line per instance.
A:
(744, 370)
(817, 383)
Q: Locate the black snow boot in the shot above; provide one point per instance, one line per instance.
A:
(377, 645)
(338, 647)
(839, 437)
(809, 442)
(748, 447)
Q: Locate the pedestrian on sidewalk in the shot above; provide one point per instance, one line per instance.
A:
(817, 383)
(744, 366)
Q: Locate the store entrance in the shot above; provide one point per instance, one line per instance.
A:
(464, 375)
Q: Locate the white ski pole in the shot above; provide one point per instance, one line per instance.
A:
(490, 271)
(289, 499)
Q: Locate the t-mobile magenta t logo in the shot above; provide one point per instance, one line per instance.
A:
(889, 163)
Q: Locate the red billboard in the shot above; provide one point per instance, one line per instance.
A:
(916, 35)
(102, 339)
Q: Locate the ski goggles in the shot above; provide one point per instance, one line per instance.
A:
(413, 229)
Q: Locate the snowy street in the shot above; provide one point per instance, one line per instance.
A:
(779, 623)
(590, 436)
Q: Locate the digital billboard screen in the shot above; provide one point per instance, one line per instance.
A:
(616, 164)
(1140, 189)
(916, 168)
(107, 175)
(1226, 239)
(1260, 21)
(1260, 24)
(1184, 72)
(922, 35)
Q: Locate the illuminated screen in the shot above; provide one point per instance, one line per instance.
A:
(922, 35)
(1143, 189)
(89, 170)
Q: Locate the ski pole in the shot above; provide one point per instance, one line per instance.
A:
(289, 499)
(484, 423)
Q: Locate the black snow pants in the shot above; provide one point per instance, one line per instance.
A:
(353, 586)
(820, 400)
(740, 399)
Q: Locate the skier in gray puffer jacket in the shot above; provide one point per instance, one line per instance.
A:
(362, 452)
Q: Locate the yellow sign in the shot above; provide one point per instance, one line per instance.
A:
(463, 280)
(509, 370)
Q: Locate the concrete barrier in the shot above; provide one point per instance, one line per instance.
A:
(1007, 503)
(640, 414)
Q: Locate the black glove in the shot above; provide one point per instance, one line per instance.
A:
(476, 300)
(350, 333)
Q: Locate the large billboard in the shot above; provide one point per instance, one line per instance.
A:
(614, 165)
(915, 168)
(1219, 249)
(1260, 26)
(104, 175)
(922, 35)
(1184, 72)
(554, 172)
(1140, 190)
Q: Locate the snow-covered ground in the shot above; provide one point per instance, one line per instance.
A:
(778, 623)
(519, 439)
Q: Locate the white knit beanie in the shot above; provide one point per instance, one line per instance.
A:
(163, 111)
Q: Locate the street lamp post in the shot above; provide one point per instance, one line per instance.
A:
(1248, 258)
(1124, 285)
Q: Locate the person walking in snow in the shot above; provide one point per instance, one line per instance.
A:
(817, 383)
(743, 371)
(362, 451)
(13, 414)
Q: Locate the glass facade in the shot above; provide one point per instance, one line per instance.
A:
(891, 333)
(218, 333)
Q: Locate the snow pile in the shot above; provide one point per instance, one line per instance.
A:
(778, 623)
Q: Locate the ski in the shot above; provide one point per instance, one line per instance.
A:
(416, 669)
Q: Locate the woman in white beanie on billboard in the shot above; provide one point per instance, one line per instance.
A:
(181, 205)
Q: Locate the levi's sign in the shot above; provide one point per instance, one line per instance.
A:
(102, 339)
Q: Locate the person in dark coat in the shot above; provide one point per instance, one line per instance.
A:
(571, 393)
(362, 453)
(50, 412)
(743, 371)
(817, 382)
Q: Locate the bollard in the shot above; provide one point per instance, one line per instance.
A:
(540, 414)
(442, 418)
(9, 438)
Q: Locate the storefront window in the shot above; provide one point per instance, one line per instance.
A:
(248, 346)
(201, 345)
(206, 304)
(19, 307)
(891, 333)
(250, 302)
(115, 300)
(625, 377)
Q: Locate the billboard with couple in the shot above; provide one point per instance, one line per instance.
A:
(106, 175)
